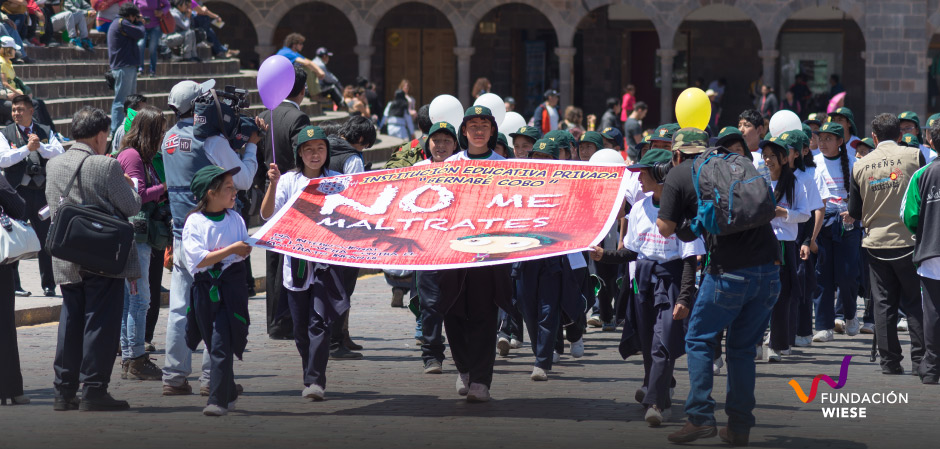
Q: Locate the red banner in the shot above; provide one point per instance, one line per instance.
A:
(448, 215)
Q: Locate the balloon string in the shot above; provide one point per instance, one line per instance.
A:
(271, 130)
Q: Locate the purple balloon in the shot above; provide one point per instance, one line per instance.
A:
(275, 80)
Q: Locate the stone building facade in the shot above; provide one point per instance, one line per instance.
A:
(590, 49)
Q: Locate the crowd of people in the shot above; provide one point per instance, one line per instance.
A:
(846, 229)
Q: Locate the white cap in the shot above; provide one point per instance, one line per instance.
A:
(8, 42)
(607, 156)
(183, 93)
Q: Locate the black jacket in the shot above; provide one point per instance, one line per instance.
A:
(288, 121)
(15, 172)
(340, 150)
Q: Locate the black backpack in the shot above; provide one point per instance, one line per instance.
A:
(732, 195)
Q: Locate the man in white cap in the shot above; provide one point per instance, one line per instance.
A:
(183, 156)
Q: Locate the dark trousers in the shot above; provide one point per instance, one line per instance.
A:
(783, 310)
(221, 360)
(311, 333)
(836, 267)
(894, 282)
(930, 365)
(539, 291)
(569, 329)
(432, 320)
(156, 279)
(278, 312)
(470, 322)
(36, 199)
(667, 334)
(89, 329)
(806, 273)
(204, 23)
(604, 306)
(645, 316)
(510, 323)
(11, 380)
(340, 327)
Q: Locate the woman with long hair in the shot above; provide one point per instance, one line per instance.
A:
(138, 149)
(405, 86)
(480, 87)
(397, 118)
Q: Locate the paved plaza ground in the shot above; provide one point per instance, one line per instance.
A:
(384, 400)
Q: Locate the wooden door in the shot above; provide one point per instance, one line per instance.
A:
(438, 64)
(402, 60)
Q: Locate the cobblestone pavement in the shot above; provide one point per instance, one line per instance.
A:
(385, 401)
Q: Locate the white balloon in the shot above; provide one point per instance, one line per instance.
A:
(609, 156)
(784, 120)
(511, 124)
(446, 108)
(495, 103)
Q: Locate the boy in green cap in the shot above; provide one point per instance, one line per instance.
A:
(591, 141)
(732, 140)
(502, 147)
(910, 124)
(662, 137)
(523, 140)
(441, 143)
(478, 134)
(544, 149)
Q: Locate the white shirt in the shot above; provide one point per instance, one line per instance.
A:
(643, 236)
(353, 164)
(759, 165)
(831, 172)
(422, 162)
(202, 236)
(10, 156)
(288, 186)
(552, 116)
(220, 153)
(785, 228)
(929, 153)
(462, 156)
(635, 191)
(930, 268)
(816, 190)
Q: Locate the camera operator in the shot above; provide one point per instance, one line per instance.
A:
(25, 147)
(196, 141)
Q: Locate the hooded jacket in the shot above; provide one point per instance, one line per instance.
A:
(339, 151)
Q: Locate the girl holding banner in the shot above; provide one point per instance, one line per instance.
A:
(314, 290)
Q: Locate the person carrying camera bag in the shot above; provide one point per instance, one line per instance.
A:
(90, 322)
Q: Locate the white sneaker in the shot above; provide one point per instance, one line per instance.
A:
(839, 326)
(314, 392)
(478, 393)
(773, 356)
(595, 321)
(824, 336)
(214, 410)
(868, 328)
(503, 346)
(538, 374)
(803, 341)
(788, 351)
(759, 353)
(902, 325)
(231, 405)
(556, 357)
(515, 344)
(655, 417)
(577, 348)
(716, 367)
(463, 383)
(852, 327)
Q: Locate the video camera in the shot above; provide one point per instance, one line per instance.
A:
(219, 112)
(659, 171)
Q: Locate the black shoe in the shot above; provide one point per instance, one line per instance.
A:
(892, 370)
(48, 291)
(398, 297)
(929, 380)
(342, 353)
(23, 293)
(103, 403)
(351, 345)
(63, 404)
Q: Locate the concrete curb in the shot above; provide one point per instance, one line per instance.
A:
(50, 314)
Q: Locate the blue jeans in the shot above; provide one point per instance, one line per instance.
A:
(837, 266)
(741, 301)
(179, 358)
(205, 23)
(150, 41)
(104, 27)
(125, 83)
(136, 303)
(10, 31)
(21, 21)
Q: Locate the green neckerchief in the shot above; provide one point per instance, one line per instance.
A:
(480, 156)
(216, 217)
(214, 290)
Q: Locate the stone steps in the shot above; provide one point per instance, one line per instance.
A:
(97, 87)
(76, 70)
(66, 53)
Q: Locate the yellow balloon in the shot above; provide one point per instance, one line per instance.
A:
(693, 109)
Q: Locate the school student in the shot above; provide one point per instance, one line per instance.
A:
(665, 287)
(315, 292)
(214, 249)
(839, 241)
(792, 208)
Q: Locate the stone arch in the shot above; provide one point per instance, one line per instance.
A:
(379, 9)
(323, 24)
(564, 31)
(283, 7)
(773, 23)
(240, 32)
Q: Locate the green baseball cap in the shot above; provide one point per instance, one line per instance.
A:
(652, 157)
(867, 142)
(309, 133)
(501, 140)
(933, 119)
(832, 128)
(665, 132)
(204, 177)
(730, 134)
(477, 112)
(593, 137)
(443, 127)
(783, 142)
(910, 116)
(847, 113)
(559, 136)
(546, 146)
(910, 140)
(816, 118)
(531, 132)
(689, 141)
